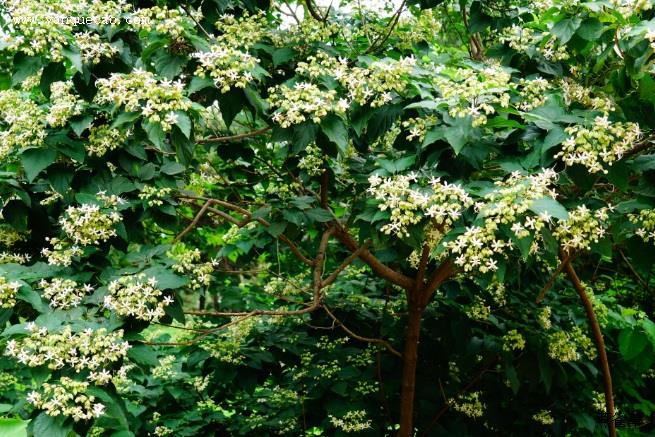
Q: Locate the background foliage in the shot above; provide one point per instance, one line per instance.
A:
(272, 167)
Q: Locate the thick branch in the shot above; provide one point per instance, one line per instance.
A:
(443, 272)
(600, 345)
(382, 270)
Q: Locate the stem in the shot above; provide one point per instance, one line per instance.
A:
(410, 359)
(600, 345)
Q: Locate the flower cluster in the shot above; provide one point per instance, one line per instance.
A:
(93, 49)
(418, 127)
(470, 405)
(352, 421)
(136, 296)
(9, 236)
(64, 104)
(544, 417)
(87, 350)
(543, 318)
(171, 22)
(227, 346)
(165, 368)
(141, 91)
(67, 397)
(561, 347)
(23, 120)
(646, 221)
(442, 202)
(16, 258)
(603, 143)
(313, 162)
(8, 292)
(187, 262)
(62, 252)
(574, 92)
(582, 228)
(513, 340)
(244, 31)
(374, 83)
(64, 293)
(304, 101)
(476, 247)
(532, 93)
(229, 67)
(154, 195)
(103, 139)
(478, 310)
(525, 40)
(88, 224)
(469, 92)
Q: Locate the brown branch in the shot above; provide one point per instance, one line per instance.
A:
(379, 341)
(234, 137)
(632, 269)
(645, 144)
(376, 265)
(333, 276)
(203, 335)
(312, 10)
(325, 179)
(240, 223)
(443, 272)
(568, 257)
(463, 390)
(377, 44)
(194, 222)
(600, 345)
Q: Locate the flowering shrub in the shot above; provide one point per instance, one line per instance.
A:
(263, 218)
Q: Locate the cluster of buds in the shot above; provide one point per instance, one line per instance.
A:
(582, 228)
(8, 292)
(67, 397)
(304, 101)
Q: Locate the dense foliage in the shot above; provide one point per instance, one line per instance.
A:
(235, 218)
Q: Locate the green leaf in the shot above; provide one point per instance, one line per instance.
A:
(198, 83)
(282, 55)
(81, 124)
(549, 206)
(125, 117)
(554, 138)
(631, 342)
(458, 134)
(335, 129)
(53, 72)
(184, 123)
(166, 279)
(13, 427)
(319, 215)
(36, 160)
(590, 29)
(566, 28)
(172, 168)
(73, 55)
(48, 426)
(155, 133)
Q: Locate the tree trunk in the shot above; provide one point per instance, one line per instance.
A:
(410, 358)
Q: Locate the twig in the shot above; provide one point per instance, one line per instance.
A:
(632, 269)
(333, 276)
(234, 137)
(379, 341)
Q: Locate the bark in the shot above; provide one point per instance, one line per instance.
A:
(410, 359)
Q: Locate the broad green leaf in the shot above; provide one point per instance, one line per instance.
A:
(36, 160)
(13, 427)
(549, 206)
(335, 129)
(631, 342)
(566, 28)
